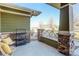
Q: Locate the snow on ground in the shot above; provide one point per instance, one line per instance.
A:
(36, 48)
(33, 37)
(76, 51)
(76, 42)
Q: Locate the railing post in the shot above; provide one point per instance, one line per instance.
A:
(40, 33)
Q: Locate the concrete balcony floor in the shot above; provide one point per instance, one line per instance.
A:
(36, 48)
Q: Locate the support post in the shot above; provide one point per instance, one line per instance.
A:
(64, 29)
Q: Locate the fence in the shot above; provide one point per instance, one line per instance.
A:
(48, 37)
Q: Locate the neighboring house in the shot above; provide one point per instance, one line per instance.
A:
(14, 17)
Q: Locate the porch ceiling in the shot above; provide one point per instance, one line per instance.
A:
(56, 5)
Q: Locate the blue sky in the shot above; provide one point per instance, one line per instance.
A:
(48, 12)
(76, 10)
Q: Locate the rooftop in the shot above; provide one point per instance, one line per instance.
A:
(15, 7)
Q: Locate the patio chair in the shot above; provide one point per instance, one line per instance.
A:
(5, 49)
(6, 45)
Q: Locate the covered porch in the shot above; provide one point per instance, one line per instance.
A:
(43, 46)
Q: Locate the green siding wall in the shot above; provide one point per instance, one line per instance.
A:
(11, 22)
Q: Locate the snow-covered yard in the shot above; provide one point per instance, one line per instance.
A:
(76, 50)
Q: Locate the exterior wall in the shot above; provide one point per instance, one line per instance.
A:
(11, 22)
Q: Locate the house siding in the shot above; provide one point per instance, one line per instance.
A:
(11, 22)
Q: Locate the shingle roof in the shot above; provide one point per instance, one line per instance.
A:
(13, 6)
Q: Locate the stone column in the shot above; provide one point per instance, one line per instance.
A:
(64, 28)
